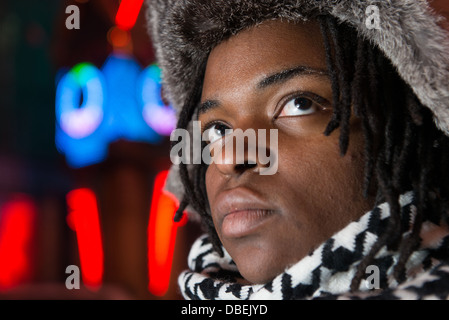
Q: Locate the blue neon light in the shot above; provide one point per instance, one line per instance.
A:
(159, 117)
(80, 121)
(120, 101)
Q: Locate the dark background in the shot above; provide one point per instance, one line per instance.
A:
(34, 45)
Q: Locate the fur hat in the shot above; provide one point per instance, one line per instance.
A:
(185, 31)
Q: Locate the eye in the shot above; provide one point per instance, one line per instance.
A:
(217, 131)
(299, 106)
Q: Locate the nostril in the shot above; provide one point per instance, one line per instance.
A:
(240, 168)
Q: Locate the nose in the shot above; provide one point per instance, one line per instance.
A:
(247, 165)
(240, 152)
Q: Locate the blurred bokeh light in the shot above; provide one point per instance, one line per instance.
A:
(84, 150)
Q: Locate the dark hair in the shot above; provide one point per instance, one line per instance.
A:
(404, 150)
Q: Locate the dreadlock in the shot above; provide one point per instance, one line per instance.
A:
(403, 149)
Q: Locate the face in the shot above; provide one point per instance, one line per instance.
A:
(274, 76)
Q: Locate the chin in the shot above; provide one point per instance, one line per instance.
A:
(259, 270)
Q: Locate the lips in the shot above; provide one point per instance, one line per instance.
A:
(241, 212)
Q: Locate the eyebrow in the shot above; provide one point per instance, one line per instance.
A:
(285, 75)
(270, 80)
(207, 105)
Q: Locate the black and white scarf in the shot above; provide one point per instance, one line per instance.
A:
(327, 272)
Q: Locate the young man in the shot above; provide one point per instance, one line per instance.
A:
(358, 95)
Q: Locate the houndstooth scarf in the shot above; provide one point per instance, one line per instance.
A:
(328, 270)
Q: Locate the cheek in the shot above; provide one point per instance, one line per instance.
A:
(213, 182)
(307, 160)
(331, 183)
(320, 156)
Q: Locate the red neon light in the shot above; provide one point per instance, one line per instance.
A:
(84, 220)
(127, 13)
(161, 237)
(16, 228)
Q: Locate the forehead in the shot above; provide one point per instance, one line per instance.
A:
(262, 50)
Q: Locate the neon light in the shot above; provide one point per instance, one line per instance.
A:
(16, 228)
(80, 121)
(159, 117)
(127, 13)
(131, 109)
(84, 220)
(124, 119)
(161, 237)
